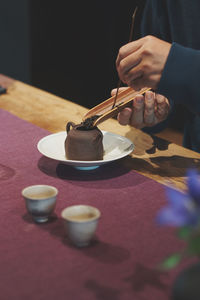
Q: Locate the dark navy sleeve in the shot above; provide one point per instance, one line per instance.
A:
(154, 22)
(180, 79)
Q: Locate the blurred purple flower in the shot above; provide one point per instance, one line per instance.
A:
(193, 183)
(183, 209)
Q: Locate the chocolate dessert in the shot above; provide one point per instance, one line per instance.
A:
(84, 141)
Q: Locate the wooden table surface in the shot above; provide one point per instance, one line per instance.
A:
(153, 157)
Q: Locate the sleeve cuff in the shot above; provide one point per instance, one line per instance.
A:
(180, 79)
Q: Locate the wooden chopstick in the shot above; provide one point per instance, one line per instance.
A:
(101, 117)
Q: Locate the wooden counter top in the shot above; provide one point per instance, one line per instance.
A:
(153, 157)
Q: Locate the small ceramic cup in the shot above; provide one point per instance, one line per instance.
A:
(40, 201)
(80, 222)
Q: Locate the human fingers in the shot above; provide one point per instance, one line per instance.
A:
(126, 50)
(149, 108)
(163, 107)
(141, 74)
(138, 83)
(136, 119)
(127, 68)
(124, 116)
(144, 66)
(113, 91)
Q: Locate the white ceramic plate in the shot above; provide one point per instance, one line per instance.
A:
(115, 147)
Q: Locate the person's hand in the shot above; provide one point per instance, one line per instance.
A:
(146, 111)
(140, 63)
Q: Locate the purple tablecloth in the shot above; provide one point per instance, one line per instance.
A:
(38, 262)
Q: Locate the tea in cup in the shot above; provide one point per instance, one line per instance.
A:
(40, 201)
(80, 222)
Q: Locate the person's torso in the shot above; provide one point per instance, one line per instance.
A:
(177, 21)
(173, 20)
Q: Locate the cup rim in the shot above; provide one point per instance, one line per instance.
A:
(96, 217)
(53, 188)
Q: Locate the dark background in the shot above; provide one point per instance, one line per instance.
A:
(66, 47)
(15, 51)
